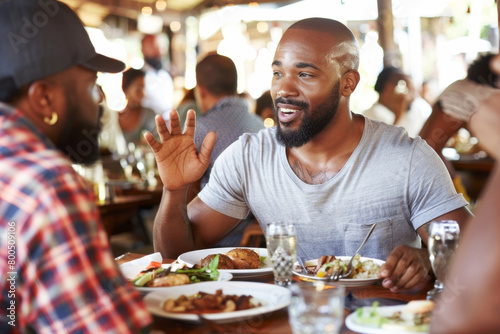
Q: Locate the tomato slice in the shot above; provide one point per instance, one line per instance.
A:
(153, 264)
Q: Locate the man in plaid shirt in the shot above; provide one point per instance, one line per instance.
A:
(57, 271)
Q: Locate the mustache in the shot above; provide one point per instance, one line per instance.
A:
(300, 104)
(101, 111)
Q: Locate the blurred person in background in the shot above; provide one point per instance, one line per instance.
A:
(454, 106)
(398, 102)
(225, 113)
(264, 108)
(470, 300)
(223, 110)
(159, 93)
(135, 118)
(57, 271)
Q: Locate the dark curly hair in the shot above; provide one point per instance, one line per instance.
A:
(480, 72)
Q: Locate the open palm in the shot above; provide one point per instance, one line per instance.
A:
(179, 162)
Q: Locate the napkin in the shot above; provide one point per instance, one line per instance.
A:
(132, 268)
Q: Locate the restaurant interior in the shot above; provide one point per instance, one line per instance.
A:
(432, 41)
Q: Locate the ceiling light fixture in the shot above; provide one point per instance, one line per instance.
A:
(161, 5)
(175, 26)
(146, 10)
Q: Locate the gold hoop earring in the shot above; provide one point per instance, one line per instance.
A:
(52, 120)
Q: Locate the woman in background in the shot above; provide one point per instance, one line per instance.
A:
(135, 118)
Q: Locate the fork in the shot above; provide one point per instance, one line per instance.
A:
(302, 263)
(336, 275)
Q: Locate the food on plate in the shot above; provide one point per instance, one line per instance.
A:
(413, 317)
(327, 265)
(203, 302)
(225, 261)
(169, 280)
(244, 258)
(157, 276)
(323, 260)
(237, 258)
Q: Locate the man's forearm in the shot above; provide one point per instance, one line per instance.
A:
(172, 233)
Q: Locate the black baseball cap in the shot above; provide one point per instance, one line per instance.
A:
(39, 38)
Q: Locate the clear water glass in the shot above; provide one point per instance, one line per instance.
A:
(443, 241)
(316, 308)
(281, 244)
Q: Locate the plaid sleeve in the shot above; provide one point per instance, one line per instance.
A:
(71, 283)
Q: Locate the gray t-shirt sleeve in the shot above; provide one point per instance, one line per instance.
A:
(224, 191)
(431, 191)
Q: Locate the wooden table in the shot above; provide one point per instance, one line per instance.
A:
(117, 213)
(276, 322)
(474, 173)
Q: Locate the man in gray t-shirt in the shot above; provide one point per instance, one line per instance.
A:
(390, 179)
(330, 171)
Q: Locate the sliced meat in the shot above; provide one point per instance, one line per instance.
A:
(244, 258)
(225, 261)
(322, 260)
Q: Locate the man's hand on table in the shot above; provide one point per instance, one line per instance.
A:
(405, 268)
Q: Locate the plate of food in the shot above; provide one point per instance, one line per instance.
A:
(236, 301)
(150, 274)
(412, 318)
(365, 270)
(240, 262)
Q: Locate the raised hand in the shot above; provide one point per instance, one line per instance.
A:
(179, 162)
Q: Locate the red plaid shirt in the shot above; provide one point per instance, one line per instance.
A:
(57, 272)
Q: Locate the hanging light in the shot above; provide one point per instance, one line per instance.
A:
(146, 10)
(161, 5)
(175, 26)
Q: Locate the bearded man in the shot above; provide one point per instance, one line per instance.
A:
(57, 271)
(329, 171)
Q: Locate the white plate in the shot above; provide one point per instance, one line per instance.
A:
(272, 298)
(195, 257)
(349, 282)
(222, 277)
(351, 323)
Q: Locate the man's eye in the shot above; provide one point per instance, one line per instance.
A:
(304, 75)
(276, 73)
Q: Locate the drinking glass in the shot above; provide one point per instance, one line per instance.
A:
(443, 240)
(282, 249)
(316, 308)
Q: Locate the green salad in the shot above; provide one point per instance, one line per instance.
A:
(156, 272)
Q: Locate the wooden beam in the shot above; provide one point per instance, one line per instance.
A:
(386, 34)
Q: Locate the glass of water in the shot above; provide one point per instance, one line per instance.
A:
(316, 308)
(443, 241)
(282, 249)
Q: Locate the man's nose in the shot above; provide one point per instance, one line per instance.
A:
(286, 88)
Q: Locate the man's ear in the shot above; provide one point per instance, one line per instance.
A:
(349, 82)
(42, 99)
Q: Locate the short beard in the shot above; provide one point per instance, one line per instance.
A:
(79, 139)
(154, 62)
(312, 122)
